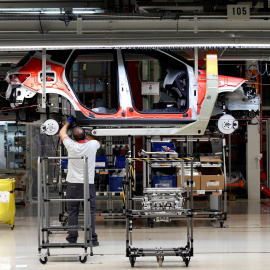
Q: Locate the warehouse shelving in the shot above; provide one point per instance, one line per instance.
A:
(217, 211)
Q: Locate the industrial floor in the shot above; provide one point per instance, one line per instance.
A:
(242, 243)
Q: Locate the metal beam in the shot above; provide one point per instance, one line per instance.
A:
(50, 4)
(21, 34)
(253, 162)
(54, 34)
(139, 25)
(44, 100)
(22, 42)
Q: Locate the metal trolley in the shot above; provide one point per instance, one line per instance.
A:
(45, 229)
(159, 204)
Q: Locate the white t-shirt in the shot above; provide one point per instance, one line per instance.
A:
(75, 166)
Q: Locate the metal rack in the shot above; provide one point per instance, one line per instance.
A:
(45, 229)
(219, 215)
(158, 204)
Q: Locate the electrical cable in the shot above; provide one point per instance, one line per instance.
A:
(54, 147)
(16, 148)
(250, 72)
(40, 24)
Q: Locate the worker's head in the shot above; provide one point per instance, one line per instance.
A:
(78, 133)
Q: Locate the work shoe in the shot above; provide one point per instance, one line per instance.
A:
(71, 240)
(95, 243)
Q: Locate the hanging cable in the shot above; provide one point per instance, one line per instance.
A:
(41, 28)
(250, 72)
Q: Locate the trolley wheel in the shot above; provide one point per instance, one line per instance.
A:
(160, 261)
(43, 261)
(162, 258)
(132, 261)
(150, 222)
(213, 218)
(83, 260)
(12, 227)
(186, 261)
(221, 224)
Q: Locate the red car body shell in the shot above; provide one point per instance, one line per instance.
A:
(34, 66)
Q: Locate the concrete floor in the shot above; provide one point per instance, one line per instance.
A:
(243, 242)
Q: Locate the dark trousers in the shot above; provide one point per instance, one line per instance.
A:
(76, 191)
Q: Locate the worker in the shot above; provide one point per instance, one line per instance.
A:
(81, 145)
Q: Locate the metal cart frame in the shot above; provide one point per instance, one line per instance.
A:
(185, 252)
(44, 227)
(218, 215)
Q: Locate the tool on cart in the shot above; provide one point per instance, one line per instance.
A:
(162, 200)
(162, 153)
(159, 204)
(45, 229)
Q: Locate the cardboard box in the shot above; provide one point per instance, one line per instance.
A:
(210, 159)
(212, 179)
(196, 179)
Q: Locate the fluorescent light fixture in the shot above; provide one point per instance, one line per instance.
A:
(84, 12)
(5, 266)
(50, 10)
(49, 47)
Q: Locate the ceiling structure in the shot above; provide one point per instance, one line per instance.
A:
(178, 25)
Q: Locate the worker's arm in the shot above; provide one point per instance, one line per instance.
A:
(63, 131)
(92, 137)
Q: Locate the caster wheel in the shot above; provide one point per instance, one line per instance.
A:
(221, 224)
(160, 261)
(83, 260)
(150, 223)
(186, 261)
(132, 261)
(43, 261)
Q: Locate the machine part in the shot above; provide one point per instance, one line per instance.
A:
(227, 124)
(238, 101)
(158, 153)
(161, 200)
(49, 127)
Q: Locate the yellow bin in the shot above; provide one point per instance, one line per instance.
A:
(7, 201)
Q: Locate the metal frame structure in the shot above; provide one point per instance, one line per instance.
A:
(161, 204)
(267, 150)
(143, 31)
(44, 225)
(219, 215)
